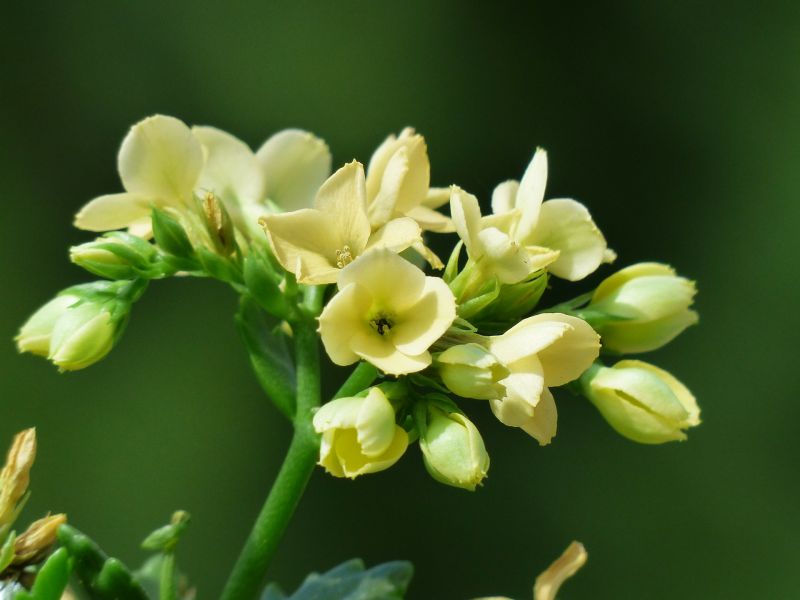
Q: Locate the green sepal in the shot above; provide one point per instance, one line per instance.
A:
(170, 235)
(515, 300)
(7, 551)
(350, 581)
(487, 294)
(218, 266)
(103, 578)
(451, 269)
(164, 539)
(260, 280)
(51, 579)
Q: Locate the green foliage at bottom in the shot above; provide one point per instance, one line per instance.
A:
(350, 581)
(51, 580)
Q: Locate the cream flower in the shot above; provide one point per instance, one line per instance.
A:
(159, 162)
(359, 435)
(398, 180)
(542, 351)
(316, 243)
(489, 243)
(386, 312)
(562, 225)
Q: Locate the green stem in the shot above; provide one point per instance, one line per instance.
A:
(248, 573)
(167, 589)
(360, 379)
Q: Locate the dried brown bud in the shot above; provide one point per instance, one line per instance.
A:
(219, 224)
(15, 476)
(35, 544)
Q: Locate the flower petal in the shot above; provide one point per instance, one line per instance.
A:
(113, 211)
(565, 225)
(504, 197)
(569, 356)
(431, 220)
(638, 337)
(354, 463)
(436, 197)
(466, 215)
(231, 171)
(295, 163)
(393, 282)
(160, 159)
(644, 269)
(396, 235)
(420, 325)
(342, 318)
(375, 425)
(531, 193)
(343, 199)
(383, 205)
(542, 426)
(305, 243)
(382, 353)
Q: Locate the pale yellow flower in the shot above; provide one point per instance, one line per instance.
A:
(563, 225)
(159, 163)
(386, 312)
(490, 243)
(359, 435)
(316, 243)
(542, 351)
(398, 184)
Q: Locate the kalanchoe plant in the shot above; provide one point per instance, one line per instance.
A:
(338, 258)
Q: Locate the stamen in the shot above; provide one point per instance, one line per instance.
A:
(382, 325)
(344, 257)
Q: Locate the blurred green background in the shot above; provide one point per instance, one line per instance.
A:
(677, 124)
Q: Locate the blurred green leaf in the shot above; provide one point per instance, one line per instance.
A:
(51, 580)
(350, 581)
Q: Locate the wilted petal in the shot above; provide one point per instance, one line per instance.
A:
(160, 159)
(295, 163)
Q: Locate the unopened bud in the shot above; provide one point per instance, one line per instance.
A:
(471, 371)
(34, 335)
(118, 255)
(15, 476)
(641, 402)
(452, 447)
(33, 545)
(83, 335)
(642, 307)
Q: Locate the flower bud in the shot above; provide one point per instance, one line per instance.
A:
(359, 435)
(15, 477)
(219, 224)
(641, 402)
(81, 336)
(452, 447)
(642, 307)
(118, 255)
(33, 545)
(471, 371)
(34, 335)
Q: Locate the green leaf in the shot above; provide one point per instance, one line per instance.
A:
(164, 539)
(269, 353)
(350, 581)
(218, 267)
(485, 297)
(262, 285)
(51, 580)
(102, 577)
(7, 551)
(451, 270)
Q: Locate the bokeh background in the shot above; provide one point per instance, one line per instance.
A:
(677, 123)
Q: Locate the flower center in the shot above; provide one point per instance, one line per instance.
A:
(381, 324)
(344, 256)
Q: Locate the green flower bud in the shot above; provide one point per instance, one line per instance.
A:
(118, 255)
(82, 324)
(170, 235)
(81, 336)
(641, 308)
(34, 336)
(452, 447)
(641, 402)
(471, 371)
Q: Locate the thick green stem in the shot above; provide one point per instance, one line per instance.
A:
(167, 588)
(247, 576)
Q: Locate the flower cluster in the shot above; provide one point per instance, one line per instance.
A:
(278, 222)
